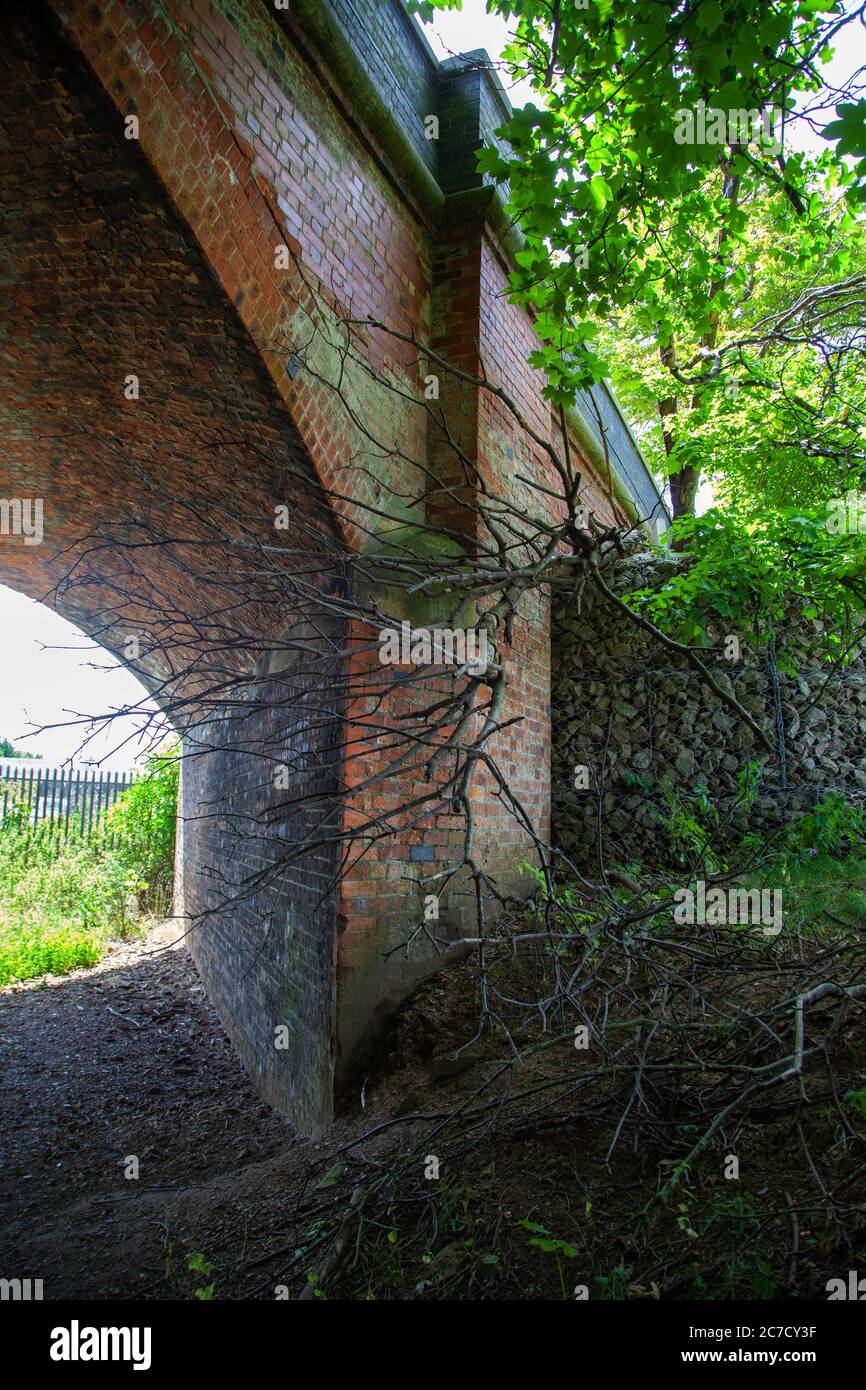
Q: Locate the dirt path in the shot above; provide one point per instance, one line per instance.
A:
(127, 1059)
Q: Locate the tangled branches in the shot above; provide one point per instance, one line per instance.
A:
(709, 1056)
(255, 602)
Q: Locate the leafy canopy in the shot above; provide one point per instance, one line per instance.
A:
(676, 241)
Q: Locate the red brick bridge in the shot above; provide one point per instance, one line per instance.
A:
(154, 155)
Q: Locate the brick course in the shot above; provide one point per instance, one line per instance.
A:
(158, 256)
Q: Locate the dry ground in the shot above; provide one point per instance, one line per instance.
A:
(128, 1059)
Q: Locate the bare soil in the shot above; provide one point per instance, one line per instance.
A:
(129, 1060)
(123, 1060)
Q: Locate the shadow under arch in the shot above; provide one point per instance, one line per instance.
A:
(138, 414)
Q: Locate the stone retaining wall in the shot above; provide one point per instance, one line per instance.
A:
(641, 721)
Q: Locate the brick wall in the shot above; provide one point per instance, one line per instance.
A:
(101, 278)
(252, 905)
(403, 69)
(160, 252)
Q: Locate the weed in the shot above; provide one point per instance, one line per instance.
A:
(552, 1245)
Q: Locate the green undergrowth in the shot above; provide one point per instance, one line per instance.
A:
(63, 900)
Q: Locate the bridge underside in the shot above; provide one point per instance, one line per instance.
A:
(149, 408)
(156, 493)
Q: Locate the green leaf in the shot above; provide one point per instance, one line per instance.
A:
(600, 191)
(850, 129)
(710, 16)
(332, 1176)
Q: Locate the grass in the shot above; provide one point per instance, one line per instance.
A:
(26, 952)
(824, 885)
(61, 904)
(59, 909)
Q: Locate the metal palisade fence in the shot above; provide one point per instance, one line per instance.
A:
(59, 800)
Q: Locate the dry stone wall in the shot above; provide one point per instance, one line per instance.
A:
(646, 728)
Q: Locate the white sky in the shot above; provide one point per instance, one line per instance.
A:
(459, 31)
(51, 671)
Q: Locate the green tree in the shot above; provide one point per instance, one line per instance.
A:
(8, 750)
(141, 827)
(774, 410)
(651, 168)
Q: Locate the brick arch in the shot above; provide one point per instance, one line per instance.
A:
(213, 89)
(259, 128)
(100, 279)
